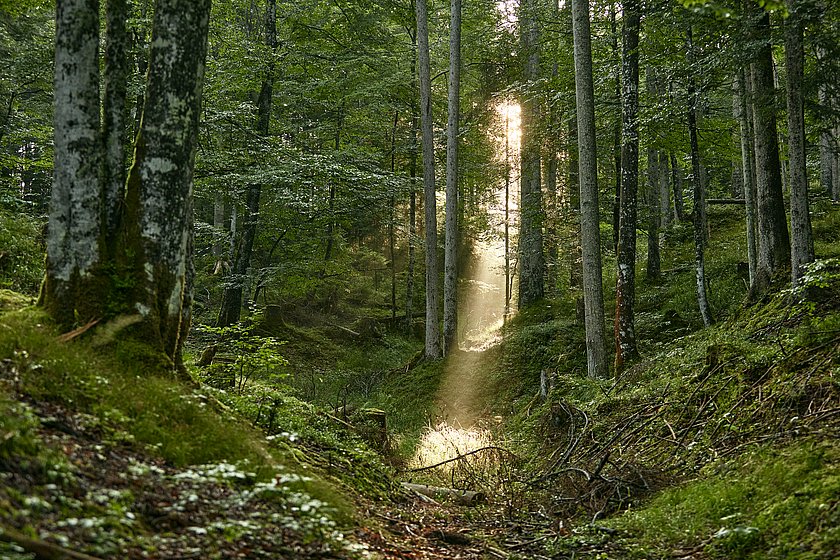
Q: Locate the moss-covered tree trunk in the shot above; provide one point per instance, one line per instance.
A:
(155, 259)
(625, 295)
(70, 292)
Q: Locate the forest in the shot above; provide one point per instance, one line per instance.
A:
(419, 279)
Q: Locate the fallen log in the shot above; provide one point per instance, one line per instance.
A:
(462, 497)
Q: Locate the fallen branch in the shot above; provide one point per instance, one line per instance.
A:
(463, 497)
(41, 549)
(464, 456)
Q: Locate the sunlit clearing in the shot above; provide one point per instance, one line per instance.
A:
(444, 442)
(510, 124)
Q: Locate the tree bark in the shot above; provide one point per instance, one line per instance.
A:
(699, 196)
(625, 332)
(450, 277)
(802, 242)
(114, 113)
(433, 346)
(71, 291)
(654, 266)
(412, 202)
(157, 230)
(773, 238)
(531, 259)
(748, 169)
(596, 354)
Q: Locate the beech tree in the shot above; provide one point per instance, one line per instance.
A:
(433, 346)
(699, 191)
(593, 295)
(531, 258)
(773, 238)
(149, 273)
(450, 277)
(625, 332)
(802, 242)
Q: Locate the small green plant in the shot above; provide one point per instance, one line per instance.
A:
(245, 354)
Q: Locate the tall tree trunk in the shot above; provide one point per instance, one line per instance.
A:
(699, 195)
(551, 167)
(508, 285)
(802, 242)
(826, 153)
(450, 275)
(748, 168)
(593, 295)
(654, 265)
(157, 229)
(531, 259)
(114, 114)
(575, 254)
(231, 306)
(433, 345)
(616, 202)
(625, 332)
(773, 238)
(392, 240)
(71, 289)
(412, 201)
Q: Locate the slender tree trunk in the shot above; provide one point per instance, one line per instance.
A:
(625, 332)
(664, 190)
(71, 290)
(699, 195)
(392, 241)
(773, 238)
(114, 114)
(802, 242)
(531, 259)
(654, 267)
(218, 227)
(412, 201)
(231, 306)
(157, 230)
(450, 276)
(747, 165)
(575, 254)
(552, 264)
(433, 343)
(596, 354)
(616, 202)
(826, 152)
(507, 212)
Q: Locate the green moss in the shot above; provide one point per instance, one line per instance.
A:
(771, 503)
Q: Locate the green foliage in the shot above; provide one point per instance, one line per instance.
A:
(21, 256)
(249, 353)
(769, 503)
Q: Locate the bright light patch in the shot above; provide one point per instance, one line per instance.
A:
(445, 442)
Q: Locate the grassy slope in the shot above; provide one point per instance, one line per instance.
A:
(69, 403)
(720, 442)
